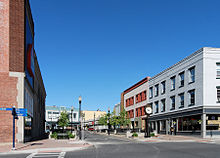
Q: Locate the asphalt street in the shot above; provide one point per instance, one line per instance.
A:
(116, 147)
(109, 147)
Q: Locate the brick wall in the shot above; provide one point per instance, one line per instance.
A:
(4, 35)
(8, 97)
(16, 26)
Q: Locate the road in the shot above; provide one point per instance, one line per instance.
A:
(115, 147)
(109, 147)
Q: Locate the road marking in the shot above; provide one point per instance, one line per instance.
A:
(47, 154)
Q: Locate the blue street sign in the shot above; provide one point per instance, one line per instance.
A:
(6, 109)
(19, 111)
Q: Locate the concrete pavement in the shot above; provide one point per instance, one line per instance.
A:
(47, 145)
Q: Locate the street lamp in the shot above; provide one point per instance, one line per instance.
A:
(148, 111)
(80, 101)
(94, 121)
(108, 121)
(71, 119)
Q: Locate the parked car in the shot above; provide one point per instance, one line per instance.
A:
(90, 129)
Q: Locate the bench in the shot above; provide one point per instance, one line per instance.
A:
(62, 136)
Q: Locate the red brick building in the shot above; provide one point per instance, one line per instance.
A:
(21, 83)
(134, 101)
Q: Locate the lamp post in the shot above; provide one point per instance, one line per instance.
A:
(108, 121)
(72, 120)
(148, 111)
(94, 121)
(80, 101)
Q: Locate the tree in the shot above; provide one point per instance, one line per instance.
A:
(103, 119)
(114, 120)
(63, 119)
(123, 120)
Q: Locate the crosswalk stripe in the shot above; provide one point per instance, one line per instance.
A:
(49, 154)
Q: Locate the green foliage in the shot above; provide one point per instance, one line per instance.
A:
(134, 135)
(123, 120)
(70, 135)
(152, 134)
(54, 135)
(114, 119)
(64, 119)
(103, 119)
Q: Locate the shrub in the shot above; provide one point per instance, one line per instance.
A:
(54, 135)
(70, 135)
(134, 135)
(152, 134)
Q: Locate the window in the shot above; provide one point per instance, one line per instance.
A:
(191, 97)
(163, 90)
(218, 94)
(156, 107)
(218, 70)
(156, 90)
(172, 101)
(151, 92)
(181, 100)
(74, 115)
(192, 75)
(163, 105)
(181, 77)
(173, 80)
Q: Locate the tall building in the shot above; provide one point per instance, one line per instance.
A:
(21, 82)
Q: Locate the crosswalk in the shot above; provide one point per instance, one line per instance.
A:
(47, 155)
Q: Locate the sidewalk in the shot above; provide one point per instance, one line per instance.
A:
(44, 145)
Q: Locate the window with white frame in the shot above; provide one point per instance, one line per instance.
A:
(181, 100)
(192, 75)
(156, 107)
(173, 80)
(181, 78)
(156, 90)
(218, 70)
(151, 92)
(218, 94)
(163, 87)
(163, 105)
(191, 97)
(172, 103)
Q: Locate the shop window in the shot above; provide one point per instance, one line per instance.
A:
(191, 97)
(173, 81)
(163, 87)
(181, 78)
(192, 75)
(172, 101)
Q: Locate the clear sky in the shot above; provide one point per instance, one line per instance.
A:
(99, 48)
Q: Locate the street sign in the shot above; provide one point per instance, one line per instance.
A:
(6, 109)
(21, 112)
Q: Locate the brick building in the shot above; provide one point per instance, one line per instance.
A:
(134, 101)
(21, 83)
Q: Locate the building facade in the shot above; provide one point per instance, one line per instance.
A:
(186, 97)
(117, 109)
(20, 77)
(53, 113)
(135, 101)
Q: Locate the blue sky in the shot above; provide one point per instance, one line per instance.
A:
(99, 48)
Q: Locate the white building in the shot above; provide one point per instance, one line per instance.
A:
(186, 97)
(53, 114)
(117, 109)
